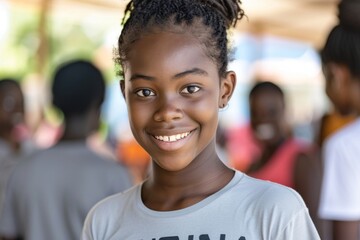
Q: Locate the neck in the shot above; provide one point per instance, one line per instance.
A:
(275, 144)
(204, 176)
(6, 136)
(270, 149)
(78, 127)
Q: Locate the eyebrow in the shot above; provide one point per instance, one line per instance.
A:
(140, 76)
(193, 71)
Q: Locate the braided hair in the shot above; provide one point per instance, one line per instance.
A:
(343, 43)
(207, 20)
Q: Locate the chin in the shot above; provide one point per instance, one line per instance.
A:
(172, 165)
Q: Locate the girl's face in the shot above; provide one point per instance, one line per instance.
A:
(337, 87)
(355, 95)
(173, 92)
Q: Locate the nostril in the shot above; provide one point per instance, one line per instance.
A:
(168, 113)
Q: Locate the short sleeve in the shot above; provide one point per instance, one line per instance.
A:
(340, 194)
(96, 222)
(300, 227)
(87, 229)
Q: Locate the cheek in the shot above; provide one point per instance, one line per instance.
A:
(137, 117)
(355, 94)
(204, 111)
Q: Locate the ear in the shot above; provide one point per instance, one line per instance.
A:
(122, 87)
(227, 87)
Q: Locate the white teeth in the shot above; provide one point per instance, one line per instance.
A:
(172, 138)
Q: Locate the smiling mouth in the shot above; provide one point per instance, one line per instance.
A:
(173, 138)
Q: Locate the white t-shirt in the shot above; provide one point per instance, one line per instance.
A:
(245, 209)
(340, 194)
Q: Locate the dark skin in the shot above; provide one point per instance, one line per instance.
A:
(8, 109)
(166, 191)
(173, 102)
(349, 229)
(267, 108)
(307, 180)
(343, 90)
(345, 230)
(80, 126)
(265, 157)
(308, 177)
(338, 87)
(11, 112)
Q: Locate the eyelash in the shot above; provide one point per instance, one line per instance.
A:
(185, 90)
(140, 92)
(197, 88)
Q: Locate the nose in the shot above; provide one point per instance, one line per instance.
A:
(168, 110)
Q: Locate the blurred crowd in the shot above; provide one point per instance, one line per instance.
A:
(51, 175)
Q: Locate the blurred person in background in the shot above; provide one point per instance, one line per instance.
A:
(14, 135)
(120, 138)
(340, 193)
(338, 91)
(274, 153)
(333, 120)
(277, 149)
(342, 113)
(49, 194)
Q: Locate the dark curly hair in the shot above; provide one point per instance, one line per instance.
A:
(343, 43)
(207, 20)
(266, 86)
(5, 83)
(77, 86)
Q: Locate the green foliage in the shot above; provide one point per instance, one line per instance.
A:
(67, 39)
(19, 49)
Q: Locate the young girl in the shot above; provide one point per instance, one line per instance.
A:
(340, 193)
(174, 60)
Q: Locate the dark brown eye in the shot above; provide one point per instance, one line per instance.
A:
(190, 89)
(145, 93)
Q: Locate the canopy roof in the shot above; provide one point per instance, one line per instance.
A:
(305, 20)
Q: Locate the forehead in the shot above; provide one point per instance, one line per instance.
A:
(10, 90)
(267, 99)
(170, 51)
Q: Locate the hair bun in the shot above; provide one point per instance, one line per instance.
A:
(349, 14)
(230, 10)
